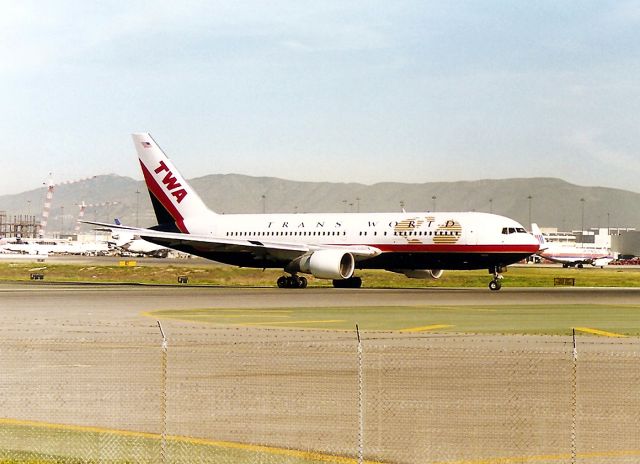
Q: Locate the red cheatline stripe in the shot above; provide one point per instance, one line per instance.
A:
(162, 197)
(445, 248)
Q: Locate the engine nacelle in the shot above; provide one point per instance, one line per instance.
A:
(326, 264)
(421, 273)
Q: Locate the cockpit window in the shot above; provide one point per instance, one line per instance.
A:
(513, 230)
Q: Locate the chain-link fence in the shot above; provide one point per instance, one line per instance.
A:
(279, 396)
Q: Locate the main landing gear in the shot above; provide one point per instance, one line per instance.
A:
(292, 281)
(495, 284)
(296, 281)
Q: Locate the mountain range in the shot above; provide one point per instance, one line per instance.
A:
(548, 201)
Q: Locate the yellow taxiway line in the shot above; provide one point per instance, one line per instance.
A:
(333, 321)
(310, 455)
(426, 328)
(600, 332)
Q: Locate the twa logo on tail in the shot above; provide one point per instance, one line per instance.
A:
(171, 182)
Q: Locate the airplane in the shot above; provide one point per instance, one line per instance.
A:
(44, 246)
(571, 255)
(132, 243)
(327, 246)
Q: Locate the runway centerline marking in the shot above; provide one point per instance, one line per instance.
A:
(603, 333)
(426, 328)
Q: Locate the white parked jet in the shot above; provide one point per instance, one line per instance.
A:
(571, 255)
(327, 246)
(129, 242)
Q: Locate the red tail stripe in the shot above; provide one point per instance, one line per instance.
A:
(162, 197)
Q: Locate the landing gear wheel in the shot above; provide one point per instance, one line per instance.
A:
(497, 271)
(292, 281)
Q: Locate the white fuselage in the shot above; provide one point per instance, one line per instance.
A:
(447, 240)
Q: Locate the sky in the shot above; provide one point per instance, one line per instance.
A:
(358, 91)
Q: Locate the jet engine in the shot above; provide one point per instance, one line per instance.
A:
(421, 273)
(325, 264)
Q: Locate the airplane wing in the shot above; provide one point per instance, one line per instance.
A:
(208, 244)
(568, 261)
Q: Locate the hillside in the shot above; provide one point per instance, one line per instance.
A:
(554, 202)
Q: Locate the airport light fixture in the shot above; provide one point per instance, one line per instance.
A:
(137, 207)
(582, 200)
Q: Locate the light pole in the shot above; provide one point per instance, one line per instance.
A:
(582, 200)
(137, 207)
(434, 198)
(529, 198)
(491, 205)
(264, 203)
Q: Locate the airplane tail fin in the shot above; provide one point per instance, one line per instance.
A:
(173, 199)
(537, 233)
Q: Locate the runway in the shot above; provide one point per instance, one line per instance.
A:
(122, 302)
(86, 356)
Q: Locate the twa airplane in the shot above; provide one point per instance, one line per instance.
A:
(327, 246)
(571, 255)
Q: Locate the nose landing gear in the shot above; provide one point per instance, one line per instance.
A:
(495, 284)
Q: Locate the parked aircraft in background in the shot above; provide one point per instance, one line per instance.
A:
(132, 243)
(327, 246)
(571, 255)
(45, 246)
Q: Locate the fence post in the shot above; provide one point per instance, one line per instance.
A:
(360, 402)
(574, 399)
(163, 398)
